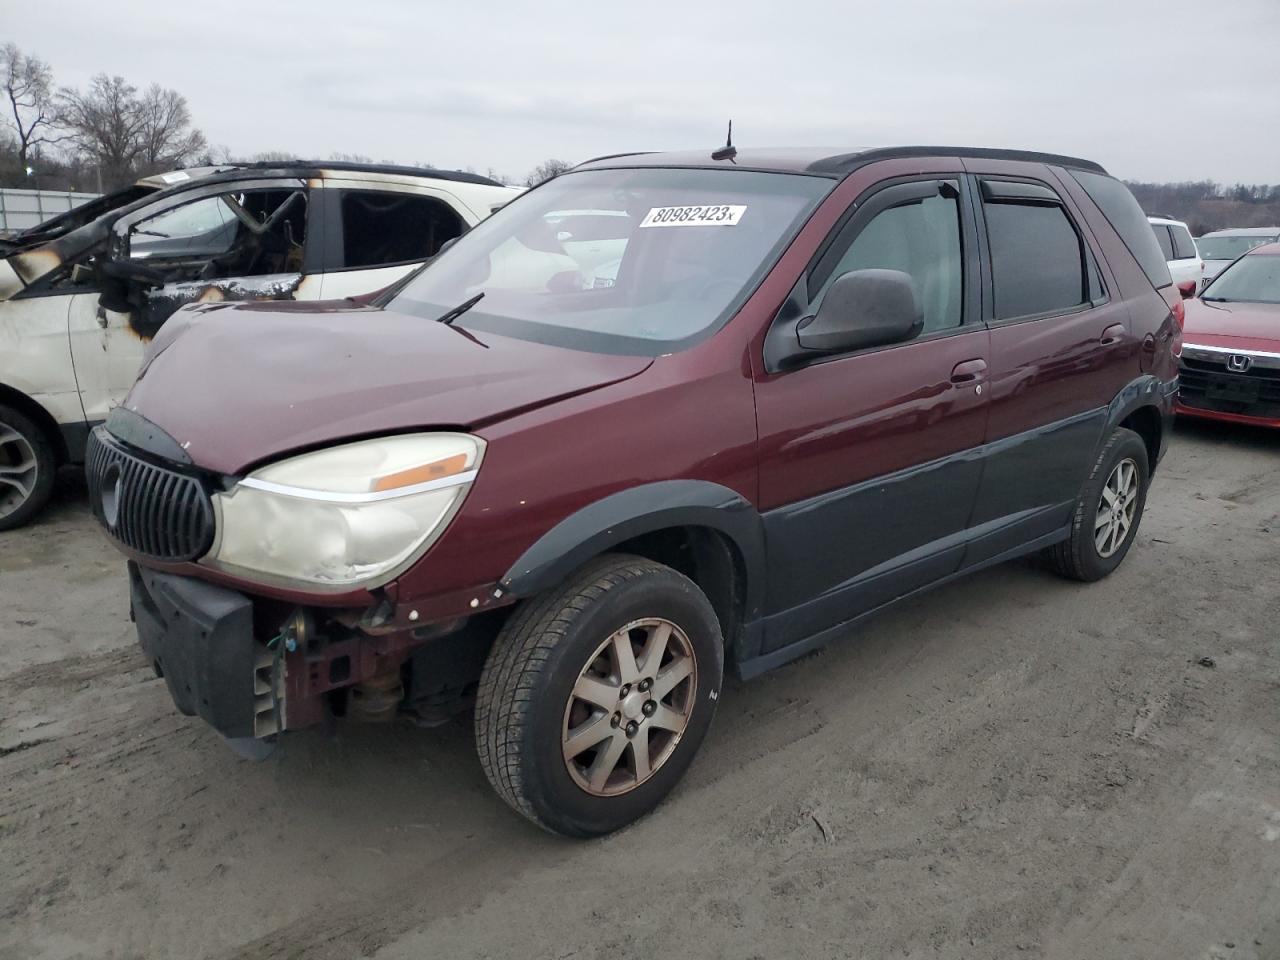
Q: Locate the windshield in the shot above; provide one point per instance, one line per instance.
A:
(1228, 248)
(619, 261)
(1254, 279)
(64, 223)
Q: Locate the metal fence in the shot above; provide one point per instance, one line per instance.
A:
(20, 209)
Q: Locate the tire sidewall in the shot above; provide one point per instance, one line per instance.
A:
(46, 465)
(557, 799)
(1126, 445)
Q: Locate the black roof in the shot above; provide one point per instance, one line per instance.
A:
(816, 161)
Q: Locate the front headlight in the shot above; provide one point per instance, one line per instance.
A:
(350, 516)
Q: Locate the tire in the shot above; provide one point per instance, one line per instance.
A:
(27, 467)
(527, 704)
(1091, 552)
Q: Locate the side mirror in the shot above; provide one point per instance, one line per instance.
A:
(863, 308)
(1187, 289)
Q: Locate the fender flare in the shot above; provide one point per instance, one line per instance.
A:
(1144, 391)
(621, 516)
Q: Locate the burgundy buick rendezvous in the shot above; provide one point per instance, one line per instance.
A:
(663, 415)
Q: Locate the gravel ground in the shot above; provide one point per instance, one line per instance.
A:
(1012, 766)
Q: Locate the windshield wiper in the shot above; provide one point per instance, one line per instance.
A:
(452, 315)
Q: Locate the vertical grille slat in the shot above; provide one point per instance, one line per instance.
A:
(157, 511)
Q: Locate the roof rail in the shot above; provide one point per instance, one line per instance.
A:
(458, 176)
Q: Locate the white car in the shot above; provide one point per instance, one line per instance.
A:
(81, 295)
(1185, 263)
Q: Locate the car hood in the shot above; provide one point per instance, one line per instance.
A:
(239, 384)
(1243, 326)
(1214, 267)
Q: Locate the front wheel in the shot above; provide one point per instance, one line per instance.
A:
(1108, 511)
(27, 465)
(596, 696)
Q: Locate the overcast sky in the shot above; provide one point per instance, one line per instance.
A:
(1152, 89)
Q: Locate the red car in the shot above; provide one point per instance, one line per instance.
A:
(1230, 364)
(664, 415)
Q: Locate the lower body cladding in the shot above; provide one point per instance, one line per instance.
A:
(252, 673)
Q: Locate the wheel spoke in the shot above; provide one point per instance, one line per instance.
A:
(17, 484)
(670, 677)
(606, 760)
(665, 718)
(624, 657)
(1101, 535)
(1109, 495)
(596, 691)
(655, 646)
(587, 735)
(14, 469)
(8, 434)
(640, 754)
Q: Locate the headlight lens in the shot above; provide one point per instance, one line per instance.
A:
(345, 517)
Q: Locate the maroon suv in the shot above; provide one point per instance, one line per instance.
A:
(664, 414)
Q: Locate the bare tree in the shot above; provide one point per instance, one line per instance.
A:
(167, 139)
(128, 134)
(28, 86)
(545, 171)
(105, 124)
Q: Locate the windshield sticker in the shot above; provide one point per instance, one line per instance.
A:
(706, 215)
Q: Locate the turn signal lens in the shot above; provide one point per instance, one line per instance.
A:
(437, 470)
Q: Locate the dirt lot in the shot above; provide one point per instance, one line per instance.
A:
(1013, 766)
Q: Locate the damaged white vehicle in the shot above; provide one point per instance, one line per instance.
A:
(81, 295)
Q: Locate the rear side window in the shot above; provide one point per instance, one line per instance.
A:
(383, 228)
(1037, 259)
(1127, 219)
(1184, 248)
(1163, 238)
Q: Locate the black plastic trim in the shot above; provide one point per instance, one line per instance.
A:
(140, 433)
(75, 437)
(644, 509)
(746, 669)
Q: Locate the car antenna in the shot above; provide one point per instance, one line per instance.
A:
(728, 151)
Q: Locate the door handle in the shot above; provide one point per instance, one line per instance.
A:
(1113, 334)
(968, 371)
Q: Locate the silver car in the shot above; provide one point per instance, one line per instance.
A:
(1221, 247)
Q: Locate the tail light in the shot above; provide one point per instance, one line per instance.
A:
(1177, 310)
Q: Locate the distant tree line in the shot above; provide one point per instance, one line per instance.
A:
(1206, 205)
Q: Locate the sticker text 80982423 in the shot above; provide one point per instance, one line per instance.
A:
(698, 215)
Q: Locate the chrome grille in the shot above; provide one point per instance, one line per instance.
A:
(151, 509)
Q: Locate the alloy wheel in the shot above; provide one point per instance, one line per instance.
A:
(18, 469)
(1116, 508)
(629, 707)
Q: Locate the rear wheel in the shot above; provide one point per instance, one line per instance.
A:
(27, 465)
(596, 696)
(1108, 511)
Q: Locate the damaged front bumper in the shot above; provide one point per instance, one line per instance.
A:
(210, 645)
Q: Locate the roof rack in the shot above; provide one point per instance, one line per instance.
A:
(846, 162)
